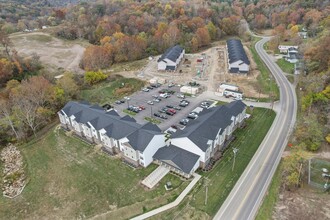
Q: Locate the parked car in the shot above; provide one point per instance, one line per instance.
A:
(122, 101)
(184, 121)
(142, 107)
(164, 95)
(177, 108)
(181, 96)
(172, 110)
(145, 90)
(118, 102)
(157, 115)
(155, 96)
(163, 116)
(169, 106)
(183, 104)
(150, 87)
(127, 98)
(168, 112)
(150, 102)
(156, 100)
(171, 85)
(174, 126)
(192, 116)
(161, 111)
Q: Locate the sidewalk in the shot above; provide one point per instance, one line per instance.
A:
(213, 95)
(154, 177)
(172, 204)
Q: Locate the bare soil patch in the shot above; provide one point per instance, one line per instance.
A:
(304, 204)
(212, 71)
(54, 53)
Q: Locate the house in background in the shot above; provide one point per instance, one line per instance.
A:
(170, 60)
(292, 55)
(303, 34)
(285, 48)
(238, 62)
(135, 143)
(201, 139)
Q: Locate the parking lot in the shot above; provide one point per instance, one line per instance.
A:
(141, 98)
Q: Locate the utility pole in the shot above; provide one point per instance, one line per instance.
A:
(151, 111)
(235, 150)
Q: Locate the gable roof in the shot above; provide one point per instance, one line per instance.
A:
(177, 157)
(236, 51)
(209, 122)
(115, 126)
(172, 54)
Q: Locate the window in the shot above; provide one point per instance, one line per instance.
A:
(141, 158)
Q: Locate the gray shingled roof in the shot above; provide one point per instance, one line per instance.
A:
(116, 127)
(207, 125)
(177, 157)
(172, 53)
(236, 51)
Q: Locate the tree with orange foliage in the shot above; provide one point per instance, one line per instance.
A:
(6, 70)
(203, 37)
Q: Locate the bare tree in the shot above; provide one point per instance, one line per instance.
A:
(6, 113)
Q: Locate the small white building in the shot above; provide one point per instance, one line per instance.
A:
(233, 93)
(190, 90)
(285, 48)
(224, 86)
(170, 60)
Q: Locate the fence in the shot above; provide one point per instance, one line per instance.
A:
(316, 175)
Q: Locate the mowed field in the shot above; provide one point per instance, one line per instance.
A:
(70, 179)
(54, 53)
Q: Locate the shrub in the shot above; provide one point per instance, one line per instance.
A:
(92, 77)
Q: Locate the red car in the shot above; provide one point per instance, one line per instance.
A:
(172, 110)
(142, 107)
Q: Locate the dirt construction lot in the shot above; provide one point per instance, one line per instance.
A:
(54, 52)
(209, 72)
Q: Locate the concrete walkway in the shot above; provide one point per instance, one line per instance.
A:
(216, 96)
(154, 177)
(172, 204)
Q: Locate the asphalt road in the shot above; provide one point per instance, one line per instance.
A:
(245, 198)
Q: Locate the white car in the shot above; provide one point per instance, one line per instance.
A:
(150, 102)
(127, 98)
(145, 90)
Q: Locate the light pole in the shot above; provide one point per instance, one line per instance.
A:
(235, 150)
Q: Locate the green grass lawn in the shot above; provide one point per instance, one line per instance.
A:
(266, 209)
(69, 179)
(221, 179)
(105, 92)
(285, 66)
(267, 86)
